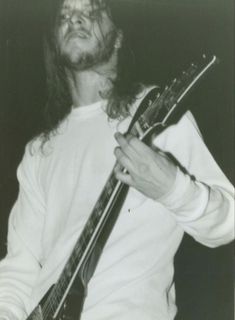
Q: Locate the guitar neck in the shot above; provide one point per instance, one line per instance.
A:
(100, 222)
(153, 113)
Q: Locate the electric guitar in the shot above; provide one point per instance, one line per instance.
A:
(65, 298)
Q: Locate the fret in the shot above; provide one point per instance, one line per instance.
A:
(142, 125)
(68, 271)
(109, 188)
(51, 305)
(78, 250)
(103, 199)
(89, 226)
(56, 297)
(98, 206)
(99, 212)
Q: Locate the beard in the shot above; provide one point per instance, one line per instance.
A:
(83, 59)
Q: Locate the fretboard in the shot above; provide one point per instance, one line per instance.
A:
(154, 112)
(83, 243)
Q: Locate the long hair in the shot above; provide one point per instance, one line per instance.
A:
(125, 87)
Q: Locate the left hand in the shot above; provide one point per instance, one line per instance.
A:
(150, 172)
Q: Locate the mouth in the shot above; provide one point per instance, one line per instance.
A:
(81, 34)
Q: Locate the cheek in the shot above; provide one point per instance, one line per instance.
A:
(98, 34)
(60, 36)
(103, 31)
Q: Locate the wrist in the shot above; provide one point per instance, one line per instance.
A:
(167, 197)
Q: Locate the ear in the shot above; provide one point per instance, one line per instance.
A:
(119, 39)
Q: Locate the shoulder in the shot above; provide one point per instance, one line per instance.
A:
(189, 123)
(182, 139)
(30, 159)
(184, 129)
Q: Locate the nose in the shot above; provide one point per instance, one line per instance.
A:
(76, 19)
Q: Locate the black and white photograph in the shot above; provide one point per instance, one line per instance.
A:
(117, 159)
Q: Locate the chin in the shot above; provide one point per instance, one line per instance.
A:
(75, 57)
(78, 60)
(73, 53)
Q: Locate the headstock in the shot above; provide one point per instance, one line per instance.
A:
(163, 106)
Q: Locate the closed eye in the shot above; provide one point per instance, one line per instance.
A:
(64, 17)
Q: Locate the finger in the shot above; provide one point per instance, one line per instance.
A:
(139, 146)
(124, 143)
(123, 177)
(141, 149)
(123, 159)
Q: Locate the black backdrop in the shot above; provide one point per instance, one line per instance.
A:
(167, 36)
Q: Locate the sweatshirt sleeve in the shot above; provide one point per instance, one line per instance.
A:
(202, 198)
(20, 267)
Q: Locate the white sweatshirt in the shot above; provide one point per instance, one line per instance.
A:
(58, 189)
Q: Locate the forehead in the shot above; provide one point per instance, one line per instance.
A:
(81, 4)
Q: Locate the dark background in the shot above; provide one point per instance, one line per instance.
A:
(168, 35)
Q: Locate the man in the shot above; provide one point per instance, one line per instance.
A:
(64, 169)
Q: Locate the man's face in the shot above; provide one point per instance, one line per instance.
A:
(85, 35)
